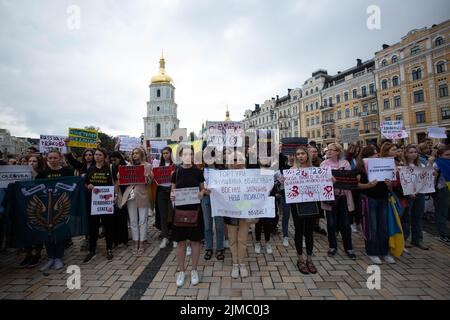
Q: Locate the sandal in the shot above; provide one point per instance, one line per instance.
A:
(311, 267)
(219, 255)
(302, 267)
(135, 250)
(208, 255)
(140, 251)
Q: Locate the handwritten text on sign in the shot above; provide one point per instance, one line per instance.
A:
(102, 200)
(416, 180)
(131, 175)
(127, 143)
(225, 134)
(185, 196)
(10, 174)
(241, 193)
(308, 185)
(48, 143)
(381, 169)
(393, 130)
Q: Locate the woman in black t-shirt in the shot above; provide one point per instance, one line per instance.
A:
(188, 176)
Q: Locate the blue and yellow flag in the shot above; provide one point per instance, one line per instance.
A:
(48, 210)
(444, 168)
(396, 239)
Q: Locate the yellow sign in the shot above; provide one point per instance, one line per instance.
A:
(82, 138)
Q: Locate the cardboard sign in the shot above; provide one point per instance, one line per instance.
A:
(127, 143)
(163, 175)
(345, 179)
(308, 185)
(393, 130)
(48, 143)
(437, 133)
(416, 180)
(132, 175)
(10, 174)
(82, 138)
(349, 135)
(241, 193)
(380, 169)
(102, 200)
(185, 196)
(225, 134)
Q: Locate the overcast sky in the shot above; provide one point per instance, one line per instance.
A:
(233, 52)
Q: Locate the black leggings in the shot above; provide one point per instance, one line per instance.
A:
(108, 227)
(266, 224)
(304, 227)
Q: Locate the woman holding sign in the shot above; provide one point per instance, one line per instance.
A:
(99, 175)
(137, 199)
(188, 224)
(339, 209)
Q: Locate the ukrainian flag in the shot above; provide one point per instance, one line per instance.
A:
(396, 239)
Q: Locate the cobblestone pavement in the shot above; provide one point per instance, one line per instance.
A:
(421, 275)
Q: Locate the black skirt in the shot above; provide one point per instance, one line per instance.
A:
(189, 233)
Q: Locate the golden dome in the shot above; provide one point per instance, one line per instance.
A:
(162, 77)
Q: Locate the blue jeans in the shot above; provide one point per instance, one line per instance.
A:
(339, 213)
(286, 213)
(378, 235)
(208, 222)
(55, 250)
(412, 219)
(441, 204)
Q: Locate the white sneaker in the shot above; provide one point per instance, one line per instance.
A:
(188, 251)
(164, 243)
(194, 277)
(269, 248)
(406, 250)
(150, 213)
(375, 259)
(58, 264)
(354, 229)
(257, 248)
(389, 259)
(235, 271)
(175, 244)
(243, 270)
(226, 244)
(180, 279)
(286, 242)
(47, 265)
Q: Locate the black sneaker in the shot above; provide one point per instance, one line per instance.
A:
(444, 239)
(34, 261)
(420, 246)
(89, 257)
(319, 230)
(332, 252)
(26, 261)
(68, 243)
(109, 255)
(350, 254)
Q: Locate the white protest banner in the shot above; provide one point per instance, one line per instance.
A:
(308, 185)
(157, 146)
(185, 196)
(10, 174)
(102, 200)
(241, 193)
(129, 143)
(437, 133)
(380, 169)
(47, 143)
(416, 180)
(225, 134)
(393, 130)
(349, 135)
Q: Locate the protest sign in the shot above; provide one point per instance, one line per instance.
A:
(10, 174)
(225, 134)
(380, 169)
(163, 175)
(437, 133)
(345, 179)
(185, 196)
(349, 135)
(416, 180)
(393, 130)
(241, 193)
(127, 143)
(131, 175)
(48, 143)
(82, 138)
(156, 146)
(308, 185)
(102, 200)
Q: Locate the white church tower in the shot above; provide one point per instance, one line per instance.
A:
(161, 117)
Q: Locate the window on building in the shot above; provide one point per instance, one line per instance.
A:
(318, 120)
(325, 102)
(330, 101)
(306, 108)
(398, 117)
(313, 134)
(371, 88)
(417, 74)
(415, 50)
(158, 93)
(394, 59)
(366, 108)
(317, 89)
(346, 96)
(387, 119)
(420, 117)
(374, 106)
(397, 101)
(317, 105)
(312, 121)
(364, 91)
(395, 81)
(311, 92)
(439, 41)
(339, 114)
(374, 124)
(384, 63)
(158, 108)
(347, 113)
(355, 111)
(338, 98)
(418, 96)
(366, 125)
(445, 113)
(386, 104)
(355, 93)
(440, 67)
(384, 84)
(318, 134)
(443, 91)
(158, 130)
